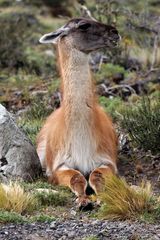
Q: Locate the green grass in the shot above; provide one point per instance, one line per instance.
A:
(107, 71)
(32, 121)
(11, 217)
(153, 216)
(38, 184)
(91, 238)
(48, 202)
(42, 218)
(51, 198)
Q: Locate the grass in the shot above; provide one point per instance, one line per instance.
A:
(153, 216)
(32, 202)
(91, 238)
(33, 119)
(31, 128)
(120, 201)
(7, 217)
(51, 198)
(14, 198)
(42, 218)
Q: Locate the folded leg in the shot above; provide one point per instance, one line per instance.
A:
(97, 177)
(75, 181)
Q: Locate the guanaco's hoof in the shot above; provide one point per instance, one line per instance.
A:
(87, 207)
(85, 204)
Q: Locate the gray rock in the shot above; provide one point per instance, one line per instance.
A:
(18, 157)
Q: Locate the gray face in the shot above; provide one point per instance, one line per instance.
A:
(88, 35)
(85, 35)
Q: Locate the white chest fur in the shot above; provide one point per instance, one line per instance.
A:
(80, 151)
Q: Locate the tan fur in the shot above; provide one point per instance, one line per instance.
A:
(78, 137)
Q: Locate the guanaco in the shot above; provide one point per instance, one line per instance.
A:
(78, 139)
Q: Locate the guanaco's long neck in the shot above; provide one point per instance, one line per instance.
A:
(77, 86)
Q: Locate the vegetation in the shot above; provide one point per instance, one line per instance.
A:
(7, 217)
(112, 106)
(27, 67)
(142, 123)
(120, 201)
(51, 198)
(20, 202)
(91, 238)
(14, 198)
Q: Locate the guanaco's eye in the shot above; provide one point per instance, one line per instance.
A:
(84, 26)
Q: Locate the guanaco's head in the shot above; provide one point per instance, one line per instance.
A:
(84, 35)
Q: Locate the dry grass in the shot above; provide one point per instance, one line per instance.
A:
(121, 201)
(14, 198)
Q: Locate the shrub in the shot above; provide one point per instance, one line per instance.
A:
(109, 70)
(15, 31)
(143, 124)
(112, 106)
(120, 201)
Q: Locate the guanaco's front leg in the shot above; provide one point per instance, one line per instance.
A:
(76, 182)
(97, 177)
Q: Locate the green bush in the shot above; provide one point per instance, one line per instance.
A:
(20, 49)
(142, 123)
(109, 70)
(112, 106)
(15, 31)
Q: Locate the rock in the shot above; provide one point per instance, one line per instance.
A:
(47, 191)
(18, 157)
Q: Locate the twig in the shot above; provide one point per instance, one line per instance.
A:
(86, 12)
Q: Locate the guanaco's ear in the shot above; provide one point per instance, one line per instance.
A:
(54, 36)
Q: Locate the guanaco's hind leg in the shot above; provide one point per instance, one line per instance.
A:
(97, 177)
(76, 182)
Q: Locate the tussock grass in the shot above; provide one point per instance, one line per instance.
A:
(14, 198)
(121, 201)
